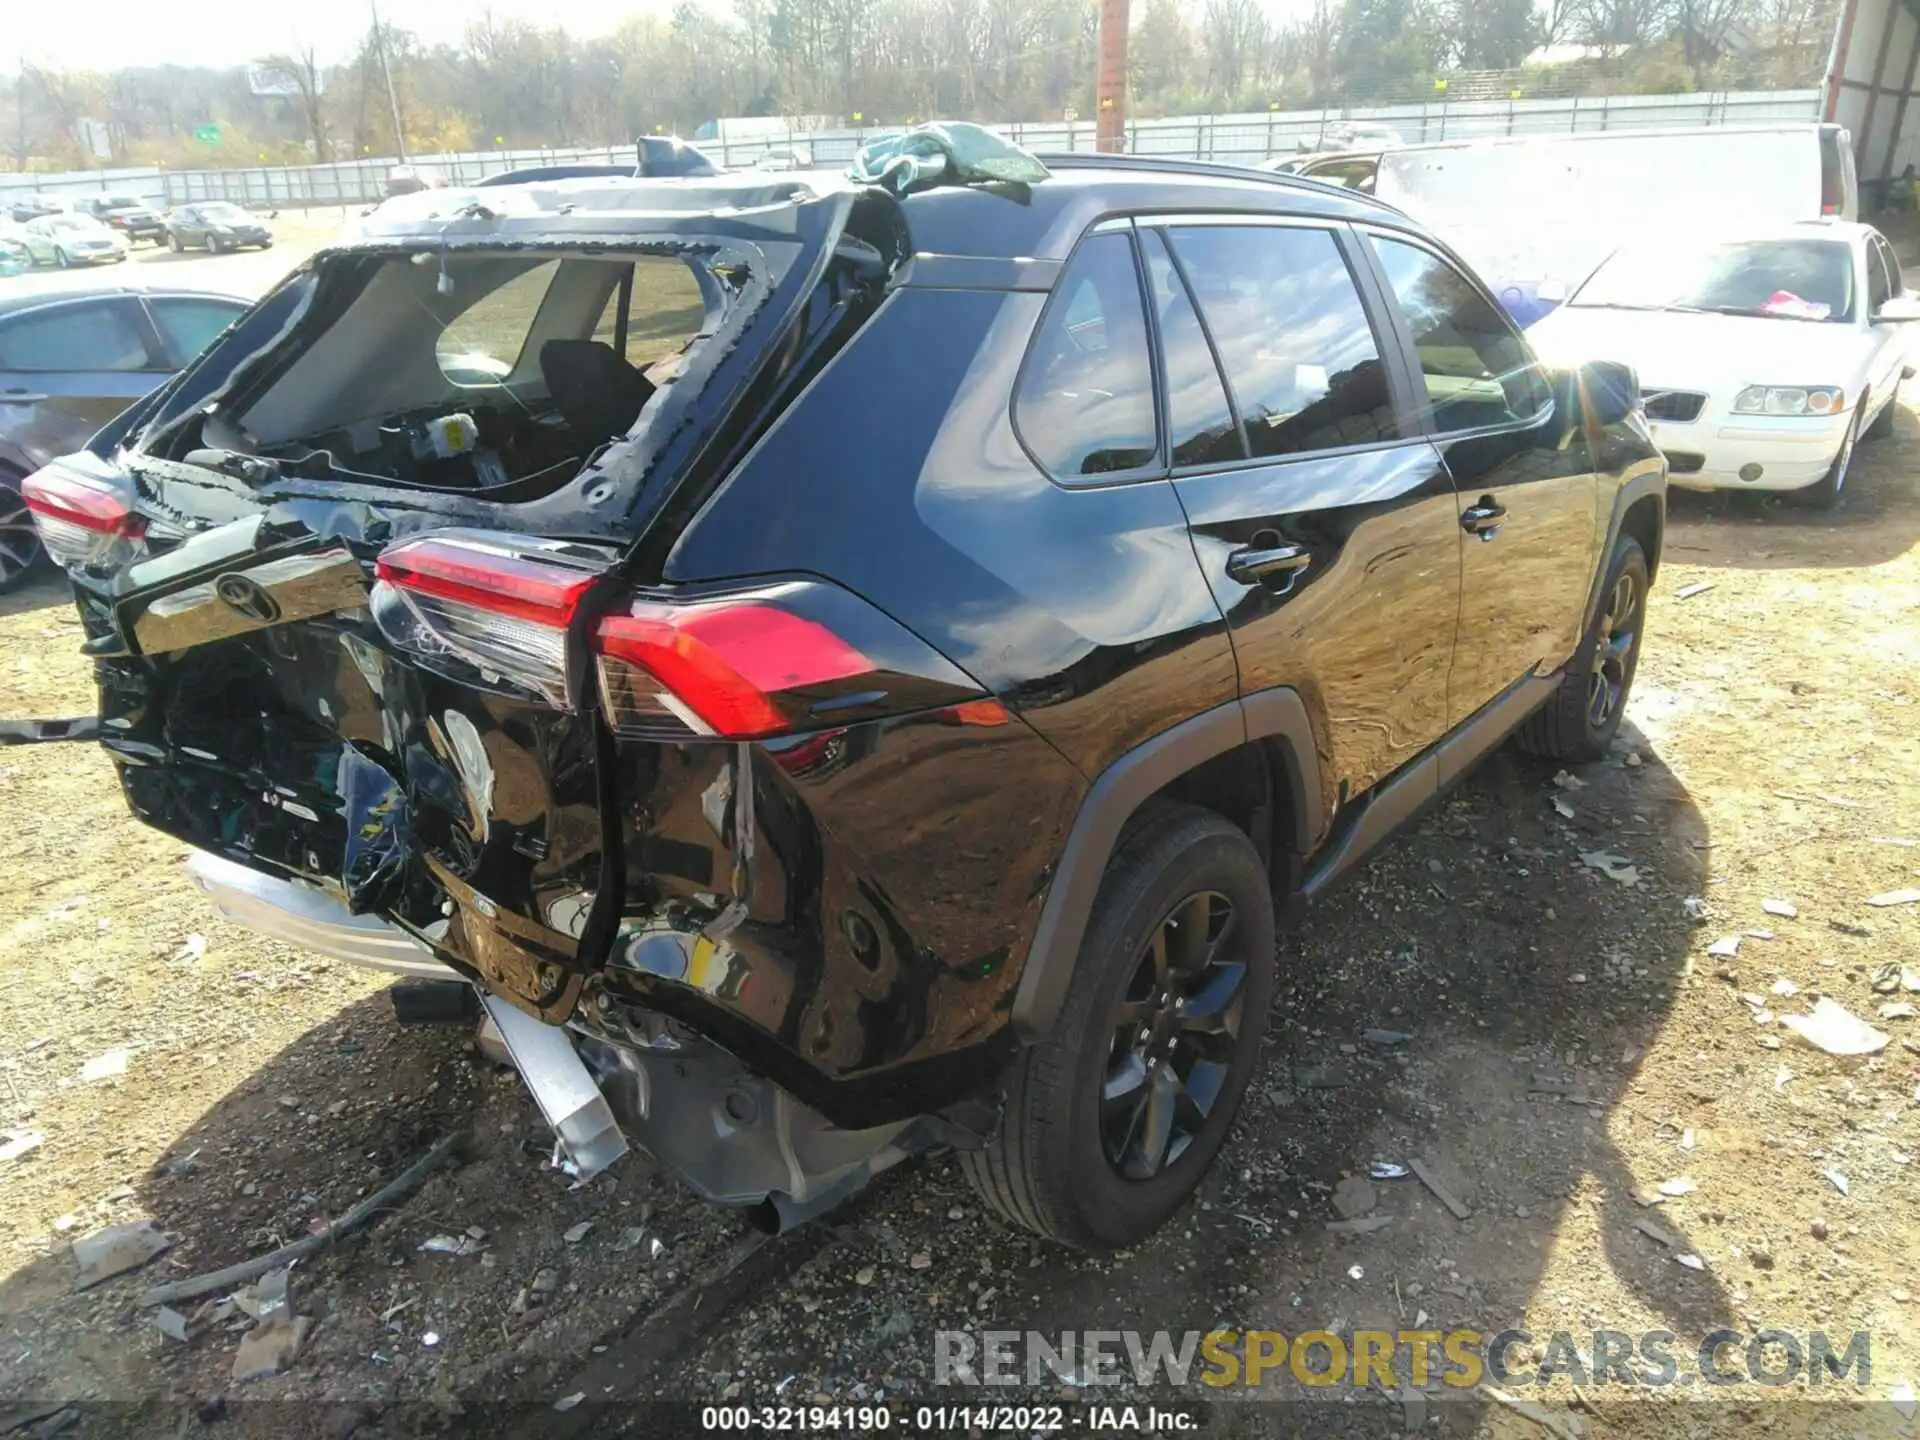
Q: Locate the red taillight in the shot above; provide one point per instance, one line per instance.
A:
(492, 575)
(499, 603)
(81, 519)
(780, 659)
(715, 668)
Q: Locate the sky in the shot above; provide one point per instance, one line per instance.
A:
(110, 34)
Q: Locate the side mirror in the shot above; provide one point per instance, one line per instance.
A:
(1610, 391)
(1898, 309)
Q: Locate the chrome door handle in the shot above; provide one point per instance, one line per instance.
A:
(1262, 567)
(1483, 519)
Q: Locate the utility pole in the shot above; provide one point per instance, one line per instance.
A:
(20, 100)
(393, 97)
(1110, 85)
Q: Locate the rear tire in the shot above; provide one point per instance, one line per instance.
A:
(62, 259)
(1159, 1035)
(21, 554)
(173, 243)
(1579, 722)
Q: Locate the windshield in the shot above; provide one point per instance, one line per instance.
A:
(122, 202)
(75, 223)
(228, 214)
(1779, 279)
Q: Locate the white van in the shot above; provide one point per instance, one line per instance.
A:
(1535, 214)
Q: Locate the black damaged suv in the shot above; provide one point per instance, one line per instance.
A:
(851, 674)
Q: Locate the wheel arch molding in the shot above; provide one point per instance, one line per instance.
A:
(1272, 723)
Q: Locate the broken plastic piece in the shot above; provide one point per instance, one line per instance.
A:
(563, 1088)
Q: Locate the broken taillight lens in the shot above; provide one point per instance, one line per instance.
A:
(778, 659)
(500, 603)
(82, 519)
(717, 669)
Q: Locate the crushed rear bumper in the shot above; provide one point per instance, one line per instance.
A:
(307, 916)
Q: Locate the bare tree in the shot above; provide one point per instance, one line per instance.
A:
(299, 71)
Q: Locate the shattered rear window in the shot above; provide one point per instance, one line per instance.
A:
(475, 369)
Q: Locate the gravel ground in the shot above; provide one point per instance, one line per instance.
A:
(1569, 1042)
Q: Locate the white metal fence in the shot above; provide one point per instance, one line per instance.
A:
(1237, 138)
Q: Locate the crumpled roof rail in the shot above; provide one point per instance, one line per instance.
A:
(1206, 169)
(610, 202)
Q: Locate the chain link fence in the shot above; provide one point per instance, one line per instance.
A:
(1448, 114)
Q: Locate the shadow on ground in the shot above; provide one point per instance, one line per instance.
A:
(1524, 987)
(1527, 985)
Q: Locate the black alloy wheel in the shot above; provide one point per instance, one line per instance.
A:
(1171, 1037)
(1619, 633)
(20, 549)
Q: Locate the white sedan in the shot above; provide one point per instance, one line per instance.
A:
(1763, 358)
(66, 240)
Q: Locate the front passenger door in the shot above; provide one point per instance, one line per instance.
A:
(1521, 467)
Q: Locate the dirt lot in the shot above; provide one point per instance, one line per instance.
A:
(1569, 1041)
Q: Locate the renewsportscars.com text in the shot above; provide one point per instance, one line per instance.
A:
(1461, 1358)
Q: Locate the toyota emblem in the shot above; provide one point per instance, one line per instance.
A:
(247, 598)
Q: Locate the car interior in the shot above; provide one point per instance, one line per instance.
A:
(525, 366)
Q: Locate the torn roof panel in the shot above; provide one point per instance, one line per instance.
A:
(599, 202)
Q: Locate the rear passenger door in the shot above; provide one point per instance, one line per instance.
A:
(1324, 522)
(1528, 497)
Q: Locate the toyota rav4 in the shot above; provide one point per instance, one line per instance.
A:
(840, 674)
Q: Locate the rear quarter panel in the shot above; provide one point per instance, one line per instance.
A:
(898, 476)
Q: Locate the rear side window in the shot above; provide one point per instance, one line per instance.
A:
(1896, 282)
(1354, 174)
(1084, 402)
(190, 325)
(664, 310)
(1200, 420)
(102, 336)
(1879, 284)
(1477, 369)
(494, 328)
(1292, 334)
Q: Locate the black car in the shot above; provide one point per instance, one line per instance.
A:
(216, 226)
(128, 214)
(656, 157)
(32, 207)
(71, 361)
(842, 674)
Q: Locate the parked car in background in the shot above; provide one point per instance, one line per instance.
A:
(128, 214)
(1354, 169)
(1535, 213)
(32, 207)
(69, 240)
(14, 256)
(215, 226)
(860, 674)
(1351, 135)
(784, 158)
(72, 360)
(1765, 356)
(655, 157)
(412, 179)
